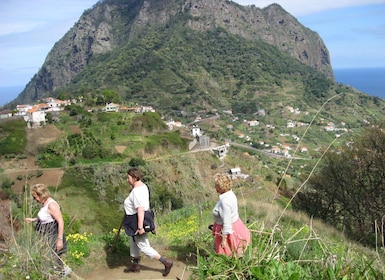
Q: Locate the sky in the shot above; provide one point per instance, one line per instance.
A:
(353, 31)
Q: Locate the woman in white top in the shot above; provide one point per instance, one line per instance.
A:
(231, 234)
(138, 201)
(50, 225)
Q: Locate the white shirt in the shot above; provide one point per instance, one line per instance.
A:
(138, 197)
(225, 212)
(44, 216)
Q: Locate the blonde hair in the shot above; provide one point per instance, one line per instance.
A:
(223, 182)
(41, 191)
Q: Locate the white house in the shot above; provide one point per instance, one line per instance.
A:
(196, 131)
(22, 109)
(171, 124)
(56, 104)
(304, 150)
(290, 124)
(253, 123)
(237, 173)
(111, 107)
(275, 150)
(147, 109)
(36, 115)
(5, 114)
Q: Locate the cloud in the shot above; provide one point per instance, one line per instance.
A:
(298, 8)
(19, 16)
(28, 31)
(378, 31)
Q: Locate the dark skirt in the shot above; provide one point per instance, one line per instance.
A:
(50, 232)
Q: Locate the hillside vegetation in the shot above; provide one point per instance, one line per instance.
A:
(285, 243)
(255, 80)
(184, 56)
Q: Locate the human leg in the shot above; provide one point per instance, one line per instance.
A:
(135, 256)
(144, 245)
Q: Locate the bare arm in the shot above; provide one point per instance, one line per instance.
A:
(140, 211)
(54, 210)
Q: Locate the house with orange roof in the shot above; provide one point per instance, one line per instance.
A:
(134, 109)
(56, 104)
(22, 109)
(275, 150)
(36, 115)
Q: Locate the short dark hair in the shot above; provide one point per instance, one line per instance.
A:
(135, 173)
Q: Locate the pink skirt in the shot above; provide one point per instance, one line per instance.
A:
(236, 242)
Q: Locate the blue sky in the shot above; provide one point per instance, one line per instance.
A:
(353, 31)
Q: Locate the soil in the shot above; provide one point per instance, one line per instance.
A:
(18, 170)
(150, 269)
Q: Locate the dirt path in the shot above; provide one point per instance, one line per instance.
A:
(150, 269)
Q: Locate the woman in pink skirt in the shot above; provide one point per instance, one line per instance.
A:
(231, 234)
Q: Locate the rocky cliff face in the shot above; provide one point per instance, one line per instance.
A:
(271, 24)
(112, 23)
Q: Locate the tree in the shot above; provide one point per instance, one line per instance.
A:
(111, 96)
(349, 190)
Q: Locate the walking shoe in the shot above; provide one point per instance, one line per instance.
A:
(167, 267)
(67, 271)
(133, 268)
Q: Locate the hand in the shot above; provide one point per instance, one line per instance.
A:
(59, 245)
(30, 220)
(140, 231)
(224, 241)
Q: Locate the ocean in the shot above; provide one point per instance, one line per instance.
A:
(367, 80)
(7, 94)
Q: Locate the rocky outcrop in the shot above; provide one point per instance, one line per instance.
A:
(271, 24)
(111, 24)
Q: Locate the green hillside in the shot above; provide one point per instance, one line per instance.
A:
(92, 190)
(281, 119)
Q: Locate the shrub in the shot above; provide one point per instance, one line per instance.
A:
(117, 242)
(78, 248)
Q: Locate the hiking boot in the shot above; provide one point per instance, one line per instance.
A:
(133, 268)
(167, 267)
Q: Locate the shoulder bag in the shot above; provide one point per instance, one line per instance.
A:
(130, 223)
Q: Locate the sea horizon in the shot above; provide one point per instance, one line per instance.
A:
(369, 80)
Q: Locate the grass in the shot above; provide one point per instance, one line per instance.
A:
(295, 248)
(12, 136)
(285, 245)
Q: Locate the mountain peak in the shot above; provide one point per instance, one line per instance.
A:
(110, 26)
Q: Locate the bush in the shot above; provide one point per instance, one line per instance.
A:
(78, 248)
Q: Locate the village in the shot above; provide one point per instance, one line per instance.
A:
(36, 115)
